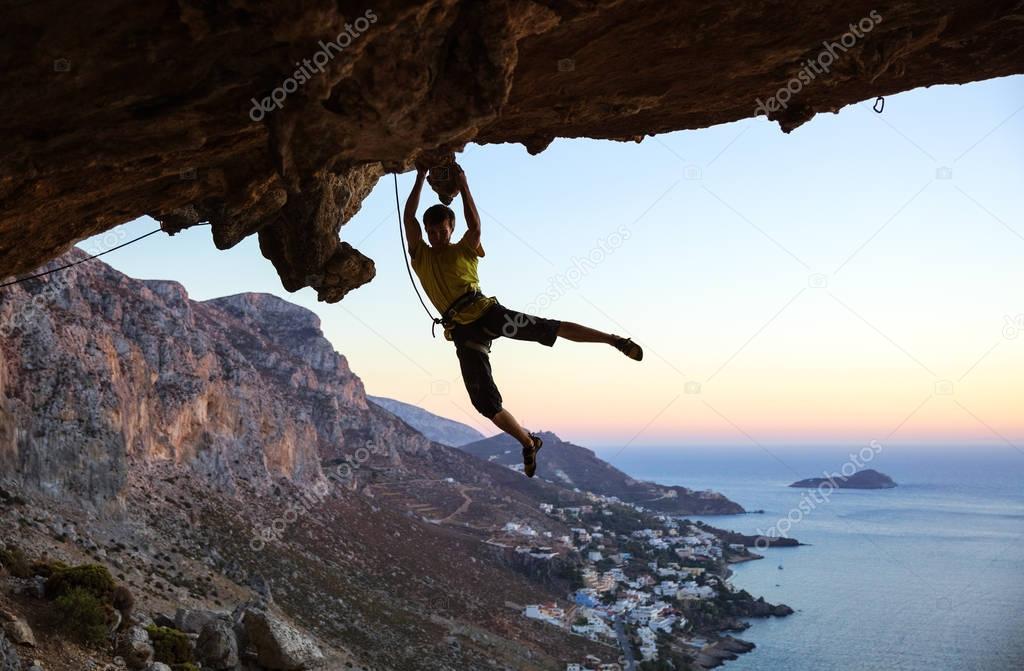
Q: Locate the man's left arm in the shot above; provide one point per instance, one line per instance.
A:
(472, 237)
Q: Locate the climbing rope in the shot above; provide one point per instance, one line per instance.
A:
(75, 263)
(408, 268)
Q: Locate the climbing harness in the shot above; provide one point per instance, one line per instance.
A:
(448, 318)
(75, 263)
(879, 104)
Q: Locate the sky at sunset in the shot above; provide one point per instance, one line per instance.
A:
(859, 279)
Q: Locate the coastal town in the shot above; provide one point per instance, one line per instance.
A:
(654, 588)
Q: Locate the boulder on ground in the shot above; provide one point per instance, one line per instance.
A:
(136, 648)
(217, 647)
(192, 621)
(280, 646)
(19, 632)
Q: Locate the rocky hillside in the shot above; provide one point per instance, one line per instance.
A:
(574, 466)
(277, 118)
(98, 370)
(436, 428)
(211, 453)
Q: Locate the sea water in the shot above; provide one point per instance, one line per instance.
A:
(929, 575)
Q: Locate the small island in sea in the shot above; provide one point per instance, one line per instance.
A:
(869, 478)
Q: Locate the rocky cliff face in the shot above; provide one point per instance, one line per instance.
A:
(277, 118)
(212, 453)
(98, 370)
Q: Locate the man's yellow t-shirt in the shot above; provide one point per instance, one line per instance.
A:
(448, 273)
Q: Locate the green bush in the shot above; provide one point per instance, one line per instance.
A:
(93, 578)
(13, 559)
(46, 568)
(170, 646)
(82, 615)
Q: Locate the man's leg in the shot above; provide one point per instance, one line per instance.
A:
(507, 423)
(484, 394)
(579, 333)
(521, 326)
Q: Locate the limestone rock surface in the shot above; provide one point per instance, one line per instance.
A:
(277, 118)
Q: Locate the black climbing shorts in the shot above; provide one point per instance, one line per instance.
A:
(473, 345)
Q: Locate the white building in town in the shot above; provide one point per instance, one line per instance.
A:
(551, 613)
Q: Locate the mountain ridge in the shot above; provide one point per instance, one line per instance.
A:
(576, 466)
(435, 427)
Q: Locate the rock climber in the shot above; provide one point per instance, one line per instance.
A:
(448, 273)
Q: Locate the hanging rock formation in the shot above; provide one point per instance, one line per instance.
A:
(277, 118)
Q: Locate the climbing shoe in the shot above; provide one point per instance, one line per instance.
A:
(629, 348)
(530, 455)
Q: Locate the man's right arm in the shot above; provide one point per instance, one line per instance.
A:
(413, 232)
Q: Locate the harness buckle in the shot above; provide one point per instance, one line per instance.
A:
(447, 318)
(457, 305)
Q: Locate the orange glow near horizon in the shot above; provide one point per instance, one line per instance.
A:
(779, 404)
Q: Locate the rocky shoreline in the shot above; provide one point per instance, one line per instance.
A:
(721, 646)
(751, 541)
(725, 649)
